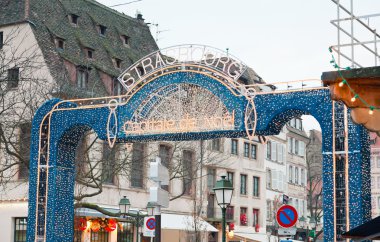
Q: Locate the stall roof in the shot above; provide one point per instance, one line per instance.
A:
(184, 222)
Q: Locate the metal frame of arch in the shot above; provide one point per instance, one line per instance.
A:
(58, 126)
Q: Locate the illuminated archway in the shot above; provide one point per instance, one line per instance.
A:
(184, 80)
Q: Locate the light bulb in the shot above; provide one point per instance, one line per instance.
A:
(353, 99)
(370, 110)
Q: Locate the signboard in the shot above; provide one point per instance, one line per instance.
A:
(287, 216)
(149, 226)
(287, 231)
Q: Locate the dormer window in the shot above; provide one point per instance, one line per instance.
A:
(117, 63)
(102, 30)
(89, 53)
(59, 43)
(125, 40)
(74, 19)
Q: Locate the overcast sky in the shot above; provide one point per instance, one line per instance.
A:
(281, 40)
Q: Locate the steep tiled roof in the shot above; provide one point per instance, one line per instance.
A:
(50, 20)
(11, 11)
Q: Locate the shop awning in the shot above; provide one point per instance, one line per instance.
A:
(251, 237)
(184, 222)
(248, 234)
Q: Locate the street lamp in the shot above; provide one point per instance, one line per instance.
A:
(124, 206)
(223, 190)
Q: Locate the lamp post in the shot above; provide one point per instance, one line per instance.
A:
(124, 206)
(223, 190)
(313, 224)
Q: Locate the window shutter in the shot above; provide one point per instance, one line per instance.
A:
(274, 153)
(302, 148)
(280, 181)
(279, 152)
(274, 180)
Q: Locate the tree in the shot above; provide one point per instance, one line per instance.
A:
(314, 180)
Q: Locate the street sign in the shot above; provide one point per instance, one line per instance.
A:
(287, 216)
(287, 231)
(149, 226)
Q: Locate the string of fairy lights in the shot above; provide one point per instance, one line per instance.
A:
(355, 95)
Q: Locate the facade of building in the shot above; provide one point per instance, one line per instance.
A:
(276, 181)
(244, 167)
(297, 169)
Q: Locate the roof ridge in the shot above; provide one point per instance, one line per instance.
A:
(94, 2)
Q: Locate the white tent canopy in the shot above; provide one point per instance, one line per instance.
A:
(185, 222)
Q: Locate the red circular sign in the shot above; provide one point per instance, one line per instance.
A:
(287, 216)
(151, 224)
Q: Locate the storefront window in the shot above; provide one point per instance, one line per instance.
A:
(101, 236)
(125, 232)
(20, 229)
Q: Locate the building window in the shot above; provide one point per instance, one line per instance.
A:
(59, 43)
(243, 184)
(255, 217)
(89, 53)
(24, 144)
(243, 217)
(211, 178)
(102, 30)
(230, 213)
(378, 202)
(137, 169)
(74, 19)
(296, 176)
(125, 232)
(109, 164)
(20, 229)
(13, 77)
(1, 40)
(211, 206)
(117, 62)
(253, 151)
(164, 152)
(269, 179)
(234, 147)
(230, 177)
(100, 236)
(215, 144)
(246, 149)
(299, 124)
(290, 174)
(377, 161)
(187, 159)
(378, 182)
(125, 39)
(256, 186)
(82, 78)
(269, 150)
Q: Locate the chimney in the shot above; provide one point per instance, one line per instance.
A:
(27, 9)
(139, 17)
